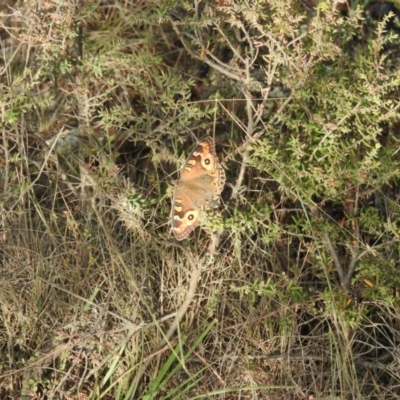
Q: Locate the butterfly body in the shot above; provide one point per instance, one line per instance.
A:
(201, 181)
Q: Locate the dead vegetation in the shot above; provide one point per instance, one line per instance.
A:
(100, 104)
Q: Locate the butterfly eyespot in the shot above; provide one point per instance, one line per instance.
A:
(190, 217)
(207, 161)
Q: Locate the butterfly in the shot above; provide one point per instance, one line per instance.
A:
(199, 187)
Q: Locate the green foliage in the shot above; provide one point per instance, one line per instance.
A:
(99, 106)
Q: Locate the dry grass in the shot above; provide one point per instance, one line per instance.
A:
(296, 299)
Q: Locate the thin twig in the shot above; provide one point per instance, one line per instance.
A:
(236, 188)
(355, 248)
(196, 269)
(212, 61)
(335, 257)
